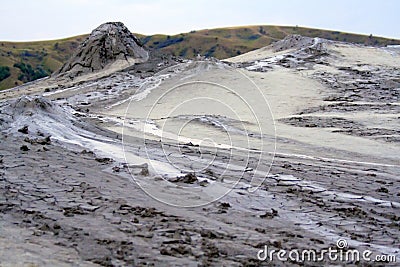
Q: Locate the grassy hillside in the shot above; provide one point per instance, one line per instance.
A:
(31, 60)
(37, 58)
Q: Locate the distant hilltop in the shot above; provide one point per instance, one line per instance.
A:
(22, 62)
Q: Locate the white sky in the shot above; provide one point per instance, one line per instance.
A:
(50, 19)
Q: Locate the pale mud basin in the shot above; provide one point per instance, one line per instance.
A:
(205, 163)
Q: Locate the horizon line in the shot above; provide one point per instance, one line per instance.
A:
(211, 28)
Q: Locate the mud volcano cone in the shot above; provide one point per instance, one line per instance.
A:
(111, 45)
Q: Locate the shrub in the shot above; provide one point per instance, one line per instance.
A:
(253, 37)
(145, 40)
(210, 52)
(183, 52)
(169, 41)
(4, 72)
(29, 74)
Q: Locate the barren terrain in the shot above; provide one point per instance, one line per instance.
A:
(203, 162)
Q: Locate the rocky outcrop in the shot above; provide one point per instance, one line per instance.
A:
(111, 45)
(298, 42)
(296, 51)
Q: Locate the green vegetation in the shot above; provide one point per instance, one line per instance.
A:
(39, 58)
(29, 74)
(4, 72)
(45, 57)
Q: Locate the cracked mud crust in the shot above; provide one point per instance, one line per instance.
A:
(68, 197)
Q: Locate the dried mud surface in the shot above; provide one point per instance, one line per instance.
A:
(65, 201)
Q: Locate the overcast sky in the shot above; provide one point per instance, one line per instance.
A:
(50, 19)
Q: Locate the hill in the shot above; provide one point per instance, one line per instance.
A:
(22, 62)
